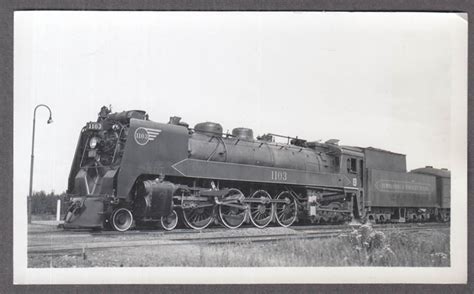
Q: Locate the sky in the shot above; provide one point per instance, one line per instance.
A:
(391, 81)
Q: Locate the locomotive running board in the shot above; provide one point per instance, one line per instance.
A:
(252, 173)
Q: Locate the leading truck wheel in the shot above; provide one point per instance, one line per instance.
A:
(122, 219)
(169, 222)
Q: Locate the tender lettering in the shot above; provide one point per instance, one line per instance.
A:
(403, 187)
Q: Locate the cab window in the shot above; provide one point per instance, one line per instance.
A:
(351, 165)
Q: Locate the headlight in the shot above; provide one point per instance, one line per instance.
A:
(93, 142)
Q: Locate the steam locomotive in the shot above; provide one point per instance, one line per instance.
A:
(129, 171)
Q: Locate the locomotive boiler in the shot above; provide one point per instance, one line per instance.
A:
(130, 170)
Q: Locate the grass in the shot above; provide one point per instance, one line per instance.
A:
(362, 247)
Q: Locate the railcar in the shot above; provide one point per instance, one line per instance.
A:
(128, 170)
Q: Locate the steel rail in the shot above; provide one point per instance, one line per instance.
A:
(156, 231)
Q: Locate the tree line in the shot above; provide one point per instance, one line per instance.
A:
(43, 203)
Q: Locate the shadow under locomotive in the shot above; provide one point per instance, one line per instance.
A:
(130, 170)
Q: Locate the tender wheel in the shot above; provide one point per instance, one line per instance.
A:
(261, 213)
(232, 212)
(122, 219)
(286, 212)
(169, 222)
(198, 218)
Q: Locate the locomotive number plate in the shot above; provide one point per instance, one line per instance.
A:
(94, 126)
(279, 175)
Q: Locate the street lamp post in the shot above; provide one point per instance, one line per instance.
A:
(50, 120)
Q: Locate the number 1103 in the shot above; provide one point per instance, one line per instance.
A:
(279, 175)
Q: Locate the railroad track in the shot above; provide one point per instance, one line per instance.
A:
(208, 237)
(160, 232)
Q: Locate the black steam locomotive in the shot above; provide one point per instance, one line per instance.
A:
(128, 170)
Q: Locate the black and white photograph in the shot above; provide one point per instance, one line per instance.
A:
(240, 147)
